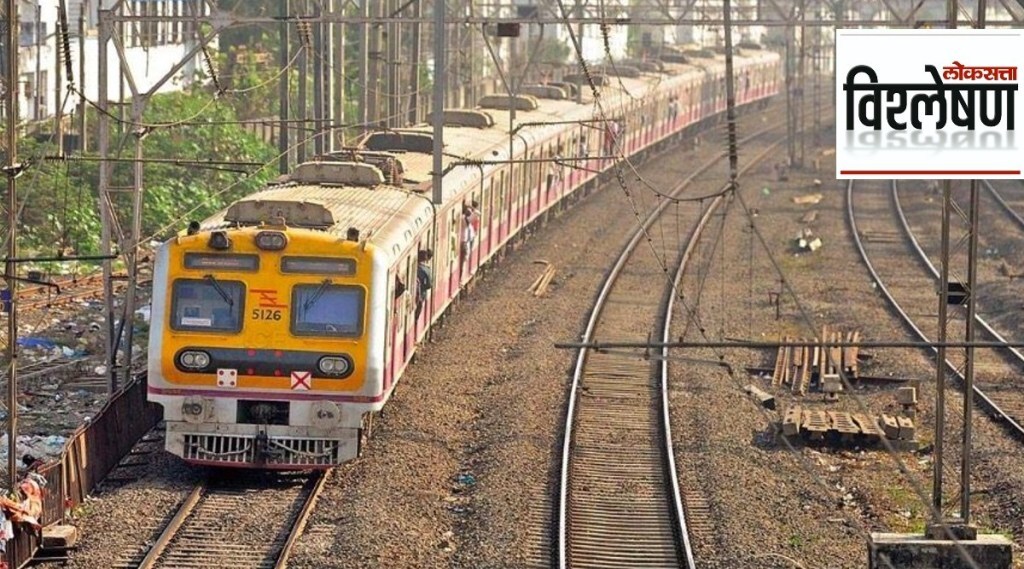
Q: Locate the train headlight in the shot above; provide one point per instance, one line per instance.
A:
(194, 359)
(219, 241)
(271, 240)
(337, 366)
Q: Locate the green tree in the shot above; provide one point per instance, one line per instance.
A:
(174, 191)
(59, 211)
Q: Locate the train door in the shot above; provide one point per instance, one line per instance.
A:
(400, 314)
(587, 149)
(393, 349)
(543, 172)
(688, 104)
(485, 217)
(574, 151)
(557, 172)
(514, 187)
(475, 222)
(486, 213)
(409, 322)
(427, 296)
(707, 88)
(500, 213)
(528, 186)
(532, 187)
(454, 252)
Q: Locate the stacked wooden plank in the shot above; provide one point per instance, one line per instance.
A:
(793, 366)
(797, 366)
(838, 359)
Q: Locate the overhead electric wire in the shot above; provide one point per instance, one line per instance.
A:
(734, 191)
(809, 322)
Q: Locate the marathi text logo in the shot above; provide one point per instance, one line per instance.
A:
(978, 96)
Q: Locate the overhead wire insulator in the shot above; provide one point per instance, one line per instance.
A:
(65, 44)
(305, 33)
(208, 61)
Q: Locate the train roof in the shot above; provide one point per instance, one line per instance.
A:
(374, 204)
(334, 209)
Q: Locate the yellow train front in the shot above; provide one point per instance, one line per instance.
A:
(264, 351)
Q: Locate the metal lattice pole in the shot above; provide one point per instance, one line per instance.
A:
(284, 94)
(106, 214)
(439, 85)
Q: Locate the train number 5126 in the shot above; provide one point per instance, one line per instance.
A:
(265, 314)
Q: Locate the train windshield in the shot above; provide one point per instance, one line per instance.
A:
(327, 309)
(207, 305)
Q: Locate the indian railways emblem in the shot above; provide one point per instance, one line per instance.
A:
(929, 103)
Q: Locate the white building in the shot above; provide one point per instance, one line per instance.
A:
(151, 50)
(714, 35)
(592, 41)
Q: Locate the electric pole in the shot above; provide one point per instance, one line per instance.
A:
(12, 169)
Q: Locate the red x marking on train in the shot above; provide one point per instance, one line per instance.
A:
(267, 298)
(301, 380)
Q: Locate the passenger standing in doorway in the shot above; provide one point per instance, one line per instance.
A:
(474, 217)
(468, 232)
(424, 278)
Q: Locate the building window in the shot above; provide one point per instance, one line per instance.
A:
(44, 84)
(28, 34)
(28, 86)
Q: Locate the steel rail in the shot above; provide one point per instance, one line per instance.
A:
(190, 508)
(664, 378)
(1002, 203)
(580, 364)
(986, 401)
(935, 272)
(318, 484)
(173, 526)
(665, 336)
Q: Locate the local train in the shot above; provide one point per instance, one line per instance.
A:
(281, 324)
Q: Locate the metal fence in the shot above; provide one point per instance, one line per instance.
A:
(90, 453)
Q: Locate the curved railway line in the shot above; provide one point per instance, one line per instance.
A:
(882, 231)
(620, 504)
(1010, 204)
(214, 527)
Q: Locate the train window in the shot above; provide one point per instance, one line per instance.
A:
(318, 266)
(207, 305)
(221, 261)
(326, 309)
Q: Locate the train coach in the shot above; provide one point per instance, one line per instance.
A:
(282, 324)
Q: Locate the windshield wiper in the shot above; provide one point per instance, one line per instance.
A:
(220, 291)
(316, 294)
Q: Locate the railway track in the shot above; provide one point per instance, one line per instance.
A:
(70, 290)
(620, 504)
(1004, 203)
(882, 231)
(243, 522)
